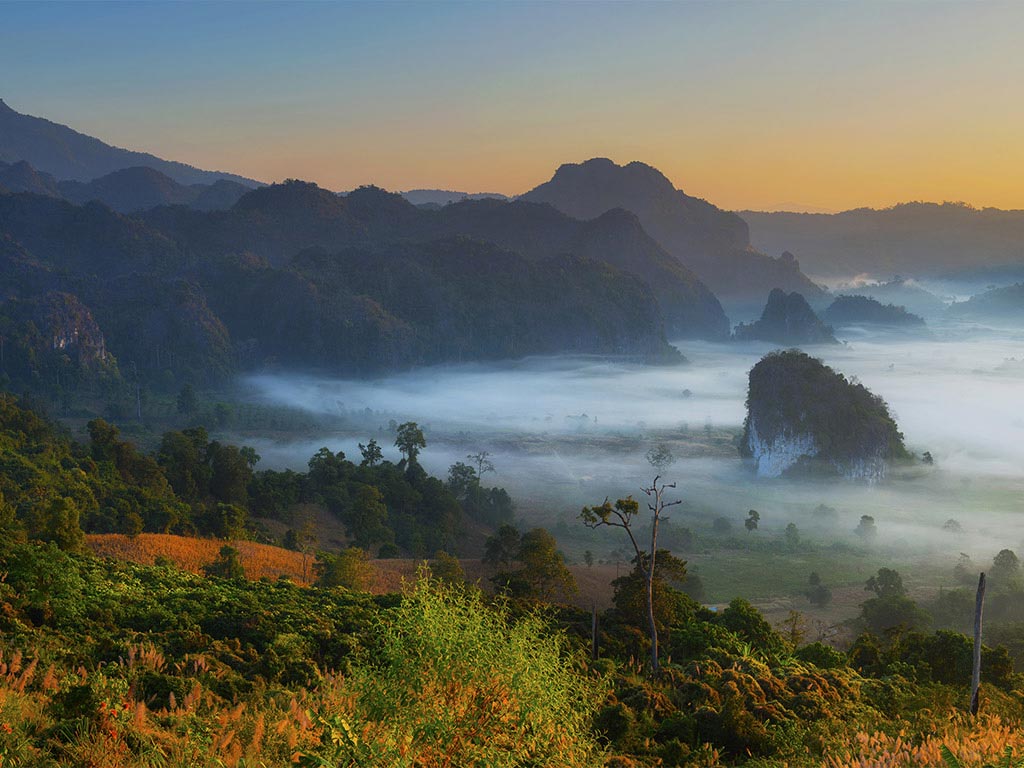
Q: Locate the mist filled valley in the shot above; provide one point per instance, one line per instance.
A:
(569, 431)
(339, 458)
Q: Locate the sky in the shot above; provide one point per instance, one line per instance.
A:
(765, 105)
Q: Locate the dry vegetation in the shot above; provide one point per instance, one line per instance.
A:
(974, 743)
(267, 561)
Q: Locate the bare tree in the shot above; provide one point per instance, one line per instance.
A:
(482, 461)
(623, 514)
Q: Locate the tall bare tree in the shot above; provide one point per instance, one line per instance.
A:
(623, 514)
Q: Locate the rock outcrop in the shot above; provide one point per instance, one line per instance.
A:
(804, 418)
(787, 319)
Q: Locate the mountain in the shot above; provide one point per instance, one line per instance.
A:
(202, 306)
(855, 310)
(22, 177)
(440, 197)
(67, 154)
(127, 190)
(903, 293)
(923, 239)
(715, 244)
(141, 188)
(787, 319)
(279, 221)
(998, 304)
(805, 418)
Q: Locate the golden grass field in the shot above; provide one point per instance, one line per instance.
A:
(267, 561)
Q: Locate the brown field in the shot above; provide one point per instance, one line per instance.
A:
(267, 561)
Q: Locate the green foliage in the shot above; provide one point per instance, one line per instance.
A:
(228, 564)
(447, 569)
(349, 568)
(409, 440)
(1005, 568)
(542, 574)
(456, 682)
(671, 606)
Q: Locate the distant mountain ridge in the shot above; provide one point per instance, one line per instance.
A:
(715, 244)
(67, 154)
(126, 191)
(922, 239)
(446, 196)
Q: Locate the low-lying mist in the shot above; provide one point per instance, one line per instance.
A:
(569, 431)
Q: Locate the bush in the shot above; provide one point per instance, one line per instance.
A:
(456, 683)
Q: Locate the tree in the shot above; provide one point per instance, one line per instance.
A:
(350, 569)
(753, 518)
(964, 569)
(64, 528)
(891, 609)
(819, 595)
(623, 515)
(409, 440)
(501, 548)
(228, 564)
(886, 583)
(660, 457)
(372, 454)
(326, 469)
(670, 605)
(462, 478)
(482, 462)
(188, 403)
(447, 569)
(866, 528)
(1006, 568)
(721, 525)
(367, 517)
(588, 558)
(792, 535)
(544, 571)
(230, 474)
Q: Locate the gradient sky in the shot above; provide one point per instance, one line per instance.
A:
(750, 105)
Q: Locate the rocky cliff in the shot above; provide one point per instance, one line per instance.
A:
(787, 319)
(804, 418)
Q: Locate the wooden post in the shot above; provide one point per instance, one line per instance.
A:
(593, 632)
(976, 677)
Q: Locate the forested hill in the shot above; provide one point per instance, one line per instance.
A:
(278, 221)
(295, 275)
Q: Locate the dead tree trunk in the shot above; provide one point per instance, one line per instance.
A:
(976, 676)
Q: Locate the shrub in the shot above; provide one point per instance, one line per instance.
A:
(457, 683)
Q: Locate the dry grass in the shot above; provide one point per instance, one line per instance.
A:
(267, 561)
(974, 742)
(192, 554)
